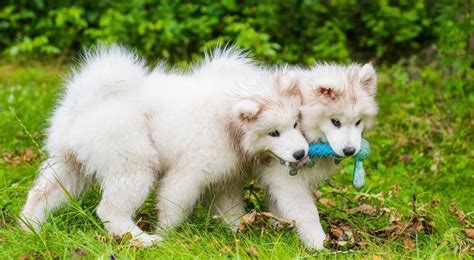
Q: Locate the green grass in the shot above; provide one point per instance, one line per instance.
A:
(422, 145)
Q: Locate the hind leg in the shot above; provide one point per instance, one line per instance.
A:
(56, 182)
(178, 193)
(124, 191)
(229, 205)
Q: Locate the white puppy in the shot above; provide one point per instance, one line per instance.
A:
(339, 105)
(123, 127)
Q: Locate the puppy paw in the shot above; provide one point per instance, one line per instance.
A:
(29, 224)
(314, 240)
(146, 240)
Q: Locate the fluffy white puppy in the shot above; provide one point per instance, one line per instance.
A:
(123, 127)
(338, 106)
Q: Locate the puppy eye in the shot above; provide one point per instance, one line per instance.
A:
(336, 122)
(358, 122)
(274, 133)
(295, 125)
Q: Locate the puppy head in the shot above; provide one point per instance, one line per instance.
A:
(339, 105)
(269, 122)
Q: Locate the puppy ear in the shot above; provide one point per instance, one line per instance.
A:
(288, 84)
(326, 93)
(246, 109)
(368, 78)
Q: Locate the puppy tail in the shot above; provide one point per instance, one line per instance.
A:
(106, 71)
(226, 58)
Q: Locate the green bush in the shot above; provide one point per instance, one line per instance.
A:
(298, 31)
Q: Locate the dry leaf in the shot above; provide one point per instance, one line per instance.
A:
(261, 219)
(469, 232)
(79, 253)
(341, 235)
(247, 219)
(376, 257)
(327, 202)
(126, 237)
(336, 232)
(459, 213)
(100, 237)
(253, 251)
(405, 158)
(31, 256)
(406, 228)
(435, 203)
(362, 209)
(17, 157)
(408, 243)
(250, 217)
(396, 188)
(226, 250)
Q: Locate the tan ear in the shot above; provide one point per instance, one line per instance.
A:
(325, 93)
(246, 109)
(368, 78)
(288, 84)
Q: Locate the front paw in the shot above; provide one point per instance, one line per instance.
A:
(314, 239)
(146, 240)
(29, 224)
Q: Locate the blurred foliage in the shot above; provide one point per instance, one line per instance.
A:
(298, 31)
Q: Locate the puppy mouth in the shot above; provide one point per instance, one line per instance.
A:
(294, 165)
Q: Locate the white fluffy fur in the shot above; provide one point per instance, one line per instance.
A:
(350, 98)
(128, 129)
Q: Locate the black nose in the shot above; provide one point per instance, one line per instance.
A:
(299, 155)
(348, 151)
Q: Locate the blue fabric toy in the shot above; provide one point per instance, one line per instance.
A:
(324, 150)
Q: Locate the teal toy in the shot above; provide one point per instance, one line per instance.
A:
(324, 150)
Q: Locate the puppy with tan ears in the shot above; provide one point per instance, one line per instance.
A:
(338, 107)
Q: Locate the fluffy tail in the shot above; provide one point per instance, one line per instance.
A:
(226, 59)
(105, 72)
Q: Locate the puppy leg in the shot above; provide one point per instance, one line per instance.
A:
(178, 192)
(57, 180)
(293, 200)
(124, 190)
(228, 204)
